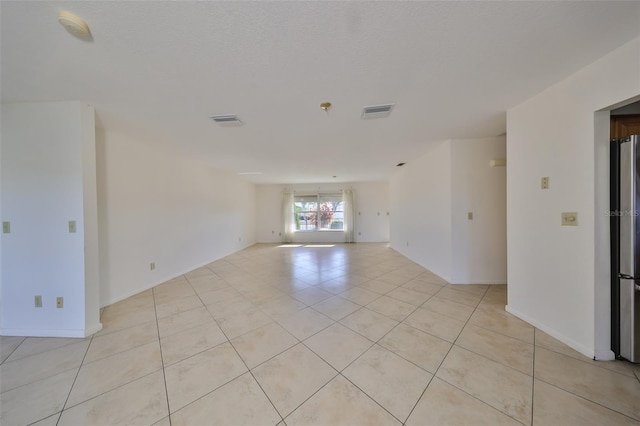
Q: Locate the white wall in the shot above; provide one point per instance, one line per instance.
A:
(157, 207)
(420, 197)
(559, 276)
(479, 246)
(371, 207)
(431, 197)
(48, 179)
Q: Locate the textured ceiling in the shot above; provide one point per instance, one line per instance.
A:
(162, 68)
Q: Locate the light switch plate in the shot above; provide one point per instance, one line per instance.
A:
(470, 216)
(569, 219)
(72, 226)
(6, 227)
(37, 301)
(59, 302)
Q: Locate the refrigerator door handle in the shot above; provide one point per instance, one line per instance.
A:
(628, 277)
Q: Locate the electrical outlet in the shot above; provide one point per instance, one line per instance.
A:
(59, 302)
(38, 301)
(72, 226)
(544, 183)
(6, 227)
(569, 219)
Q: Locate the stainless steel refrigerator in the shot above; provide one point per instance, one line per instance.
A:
(625, 221)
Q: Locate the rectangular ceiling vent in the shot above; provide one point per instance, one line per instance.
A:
(376, 111)
(228, 120)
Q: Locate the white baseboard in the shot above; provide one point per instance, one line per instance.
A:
(481, 282)
(588, 352)
(33, 332)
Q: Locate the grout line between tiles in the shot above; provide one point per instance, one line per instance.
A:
(589, 400)
(66, 401)
(245, 364)
(445, 357)
(164, 374)
(533, 377)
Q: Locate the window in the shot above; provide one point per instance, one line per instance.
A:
(323, 212)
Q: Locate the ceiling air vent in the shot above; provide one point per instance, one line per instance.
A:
(228, 120)
(376, 111)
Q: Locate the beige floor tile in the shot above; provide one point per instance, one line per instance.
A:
(432, 278)
(207, 283)
(552, 405)
(392, 308)
(237, 324)
(239, 402)
(292, 377)
(370, 324)
(359, 295)
(304, 323)
(448, 308)
(141, 402)
(336, 307)
(422, 349)
(163, 422)
(377, 286)
(109, 344)
(8, 344)
(281, 306)
(311, 295)
(183, 321)
(336, 285)
(36, 345)
(262, 295)
(37, 400)
(236, 306)
(446, 405)
(119, 319)
(393, 382)
(395, 279)
(433, 323)
(175, 306)
(498, 347)
(422, 287)
(195, 377)
(261, 344)
(477, 289)
(199, 272)
(338, 345)
(614, 390)
(37, 367)
(172, 290)
(49, 421)
(406, 295)
(503, 322)
(546, 341)
(340, 403)
(109, 373)
(220, 297)
(190, 342)
(465, 297)
(500, 386)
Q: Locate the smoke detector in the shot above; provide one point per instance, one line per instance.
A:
(376, 111)
(228, 120)
(74, 24)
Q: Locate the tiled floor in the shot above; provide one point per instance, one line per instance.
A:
(352, 334)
